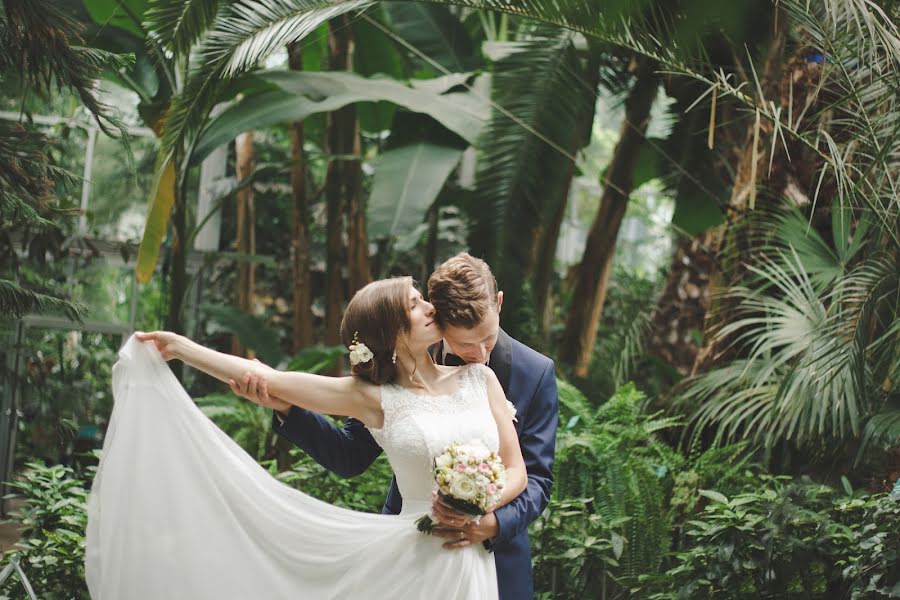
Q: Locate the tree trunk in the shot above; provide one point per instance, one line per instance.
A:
(592, 279)
(545, 258)
(178, 266)
(178, 272)
(300, 249)
(546, 248)
(246, 229)
(681, 310)
(342, 186)
(751, 168)
(430, 256)
(358, 273)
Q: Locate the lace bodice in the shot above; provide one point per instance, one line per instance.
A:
(417, 428)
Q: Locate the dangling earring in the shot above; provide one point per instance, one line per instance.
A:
(394, 357)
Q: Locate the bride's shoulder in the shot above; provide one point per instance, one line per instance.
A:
(482, 373)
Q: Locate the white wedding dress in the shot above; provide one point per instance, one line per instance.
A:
(179, 511)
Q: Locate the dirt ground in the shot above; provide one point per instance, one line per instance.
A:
(9, 529)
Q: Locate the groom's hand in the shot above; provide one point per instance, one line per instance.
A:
(456, 528)
(254, 388)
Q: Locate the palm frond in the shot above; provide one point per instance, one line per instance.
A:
(815, 361)
(27, 179)
(42, 44)
(244, 34)
(180, 23)
(882, 429)
(18, 301)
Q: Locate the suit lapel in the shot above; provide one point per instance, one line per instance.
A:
(437, 352)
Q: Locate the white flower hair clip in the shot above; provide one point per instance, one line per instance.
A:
(359, 352)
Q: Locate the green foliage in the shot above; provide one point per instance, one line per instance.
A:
(728, 469)
(365, 492)
(54, 518)
(786, 539)
(248, 424)
(252, 332)
(620, 353)
(873, 560)
(817, 341)
(573, 549)
(611, 460)
(65, 397)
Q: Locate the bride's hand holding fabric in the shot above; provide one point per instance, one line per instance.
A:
(166, 342)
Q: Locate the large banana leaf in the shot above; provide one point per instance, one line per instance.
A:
(407, 181)
(436, 32)
(162, 199)
(251, 331)
(302, 94)
(126, 14)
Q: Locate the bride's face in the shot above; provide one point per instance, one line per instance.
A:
(423, 331)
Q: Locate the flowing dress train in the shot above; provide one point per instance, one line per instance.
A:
(179, 511)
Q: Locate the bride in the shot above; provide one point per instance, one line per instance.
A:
(178, 510)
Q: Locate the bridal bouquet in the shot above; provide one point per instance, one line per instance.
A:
(469, 478)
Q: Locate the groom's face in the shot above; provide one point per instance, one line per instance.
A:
(474, 345)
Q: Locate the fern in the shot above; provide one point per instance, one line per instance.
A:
(612, 457)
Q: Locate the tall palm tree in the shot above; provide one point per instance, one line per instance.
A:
(810, 339)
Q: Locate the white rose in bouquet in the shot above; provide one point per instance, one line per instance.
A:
(463, 488)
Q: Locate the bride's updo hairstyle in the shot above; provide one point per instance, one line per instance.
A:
(377, 314)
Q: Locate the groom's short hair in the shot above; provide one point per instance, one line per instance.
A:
(462, 290)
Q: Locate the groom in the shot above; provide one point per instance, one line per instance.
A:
(467, 303)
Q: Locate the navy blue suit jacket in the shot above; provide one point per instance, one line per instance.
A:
(529, 380)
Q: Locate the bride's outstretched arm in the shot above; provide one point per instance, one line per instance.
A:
(344, 396)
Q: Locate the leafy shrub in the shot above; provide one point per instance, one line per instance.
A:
(574, 549)
(54, 519)
(611, 484)
(788, 539)
(873, 563)
(365, 492)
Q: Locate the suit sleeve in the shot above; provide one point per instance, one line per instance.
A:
(538, 442)
(346, 451)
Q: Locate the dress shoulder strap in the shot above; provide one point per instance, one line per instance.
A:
(474, 378)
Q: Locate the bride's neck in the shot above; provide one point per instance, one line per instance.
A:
(416, 371)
